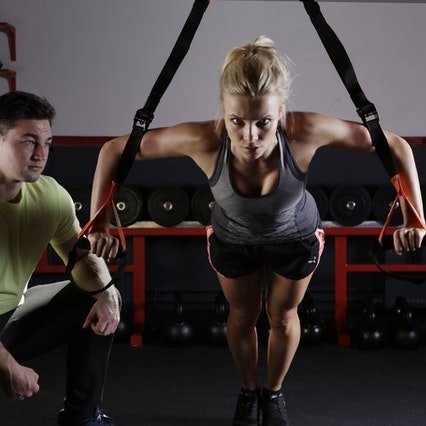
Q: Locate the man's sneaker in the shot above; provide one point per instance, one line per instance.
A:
(247, 410)
(274, 412)
(100, 418)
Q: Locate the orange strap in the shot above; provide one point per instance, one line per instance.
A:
(110, 202)
(416, 222)
(83, 243)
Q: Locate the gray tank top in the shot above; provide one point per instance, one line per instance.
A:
(287, 213)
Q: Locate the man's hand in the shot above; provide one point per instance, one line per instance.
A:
(18, 382)
(104, 316)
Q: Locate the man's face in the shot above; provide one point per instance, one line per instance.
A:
(24, 151)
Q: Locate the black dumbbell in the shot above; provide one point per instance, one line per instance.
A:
(201, 205)
(350, 205)
(129, 205)
(81, 197)
(168, 205)
(321, 199)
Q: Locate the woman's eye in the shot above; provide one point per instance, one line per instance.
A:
(263, 122)
(236, 121)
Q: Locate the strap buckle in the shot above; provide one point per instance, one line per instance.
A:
(368, 113)
(143, 119)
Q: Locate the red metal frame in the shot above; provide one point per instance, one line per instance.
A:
(11, 37)
(10, 76)
(341, 270)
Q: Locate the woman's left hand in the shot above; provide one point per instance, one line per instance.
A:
(407, 239)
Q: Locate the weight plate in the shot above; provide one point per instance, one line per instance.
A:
(382, 202)
(350, 205)
(129, 206)
(201, 205)
(168, 205)
(320, 198)
(81, 198)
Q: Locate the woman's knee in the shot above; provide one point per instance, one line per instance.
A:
(242, 318)
(285, 321)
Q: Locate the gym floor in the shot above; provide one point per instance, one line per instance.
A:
(157, 385)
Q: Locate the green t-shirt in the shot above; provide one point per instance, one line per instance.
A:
(45, 213)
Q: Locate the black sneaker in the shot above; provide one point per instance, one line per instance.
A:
(100, 418)
(274, 412)
(247, 410)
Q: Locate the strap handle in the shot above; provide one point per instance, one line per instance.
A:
(386, 242)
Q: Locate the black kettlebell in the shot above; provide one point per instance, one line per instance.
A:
(403, 332)
(312, 326)
(216, 329)
(177, 331)
(368, 334)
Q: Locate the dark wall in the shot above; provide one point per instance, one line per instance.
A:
(330, 167)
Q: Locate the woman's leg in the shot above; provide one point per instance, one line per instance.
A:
(282, 299)
(244, 296)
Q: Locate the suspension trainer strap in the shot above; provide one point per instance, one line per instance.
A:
(369, 116)
(141, 122)
(145, 115)
(365, 109)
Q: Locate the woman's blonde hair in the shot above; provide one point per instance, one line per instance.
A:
(256, 69)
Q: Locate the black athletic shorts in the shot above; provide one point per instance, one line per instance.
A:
(293, 260)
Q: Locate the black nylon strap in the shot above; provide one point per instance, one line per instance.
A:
(145, 115)
(141, 122)
(387, 244)
(365, 109)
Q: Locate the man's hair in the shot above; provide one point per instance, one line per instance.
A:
(20, 105)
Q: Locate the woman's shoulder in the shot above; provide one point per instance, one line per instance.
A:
(305, 124)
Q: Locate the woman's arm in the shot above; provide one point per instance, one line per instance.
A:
(312, 131)
(196, 140)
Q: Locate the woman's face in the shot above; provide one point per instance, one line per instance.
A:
(251, 123)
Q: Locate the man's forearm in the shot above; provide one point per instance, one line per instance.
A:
(91, 273)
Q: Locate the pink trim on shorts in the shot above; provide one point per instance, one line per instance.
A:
(210, 231)
(320, 234)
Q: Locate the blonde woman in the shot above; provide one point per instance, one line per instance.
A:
(266, 230)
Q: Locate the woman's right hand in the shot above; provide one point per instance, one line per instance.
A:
(103, 244)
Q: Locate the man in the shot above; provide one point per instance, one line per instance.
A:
(36, 211)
